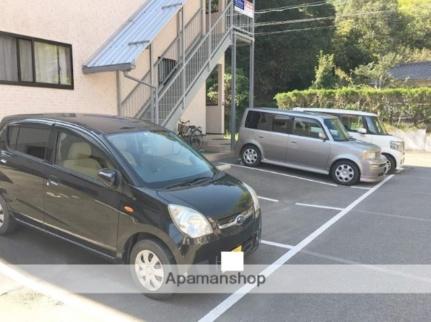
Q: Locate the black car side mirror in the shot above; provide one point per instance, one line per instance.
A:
(108, 177)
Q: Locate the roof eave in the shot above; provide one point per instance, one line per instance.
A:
(108, 68)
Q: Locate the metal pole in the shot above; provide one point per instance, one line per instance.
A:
(209, 29)
(183, 54)
(153, 98)
(252, 61)
(118, 82)
(233, 108)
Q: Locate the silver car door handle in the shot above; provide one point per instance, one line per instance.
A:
(4, 161)
(293, 142)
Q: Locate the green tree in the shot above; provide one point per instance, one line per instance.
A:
(325, 72)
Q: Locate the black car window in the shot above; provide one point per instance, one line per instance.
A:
(308, 128)
(78, 155)
(30, 139)
(12, 136)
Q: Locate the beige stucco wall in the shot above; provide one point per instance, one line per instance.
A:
(196, 110)
(84, 24)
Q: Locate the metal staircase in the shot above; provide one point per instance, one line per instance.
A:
(184, 67)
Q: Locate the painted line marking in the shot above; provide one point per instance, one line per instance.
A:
(284, 175)
(359, 187)
(232, 299)
(224, 167)
(82, 304)
(270, 243)
(318, 206)
(268, 199)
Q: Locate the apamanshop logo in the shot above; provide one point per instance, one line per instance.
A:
(215, 279)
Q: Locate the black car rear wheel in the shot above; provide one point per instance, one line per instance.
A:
(7, 223)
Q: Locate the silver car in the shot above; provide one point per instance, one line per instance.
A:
(308, 141)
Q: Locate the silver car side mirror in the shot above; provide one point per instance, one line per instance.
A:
(362, 131)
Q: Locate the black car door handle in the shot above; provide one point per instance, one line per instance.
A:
(52, 181)
(4, 155)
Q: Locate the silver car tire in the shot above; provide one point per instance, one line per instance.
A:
(250, 156)
(345, 173)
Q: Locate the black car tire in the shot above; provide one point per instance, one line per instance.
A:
(166, 261)
(345, 172)
(391, 166)
(251, 156)
(7, 222)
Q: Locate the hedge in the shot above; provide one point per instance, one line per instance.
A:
(394, 105)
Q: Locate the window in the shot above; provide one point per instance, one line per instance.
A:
(78, 155)
(30, 139)
(35, 62)
(12, 135)
(259, 121)
(160, 159)
(282, 124)
(375, 126)
(352, 123)
(308, 128)
(166, 69)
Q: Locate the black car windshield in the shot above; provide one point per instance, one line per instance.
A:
(161, 159)
(375, 126)
(337, 129)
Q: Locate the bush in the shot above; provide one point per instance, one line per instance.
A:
(394, 105)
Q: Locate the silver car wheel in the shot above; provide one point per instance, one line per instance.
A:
(1, 216)
(250, 156)
(345, 173)
(149, 270)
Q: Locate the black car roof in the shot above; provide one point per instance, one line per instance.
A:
(102, 124)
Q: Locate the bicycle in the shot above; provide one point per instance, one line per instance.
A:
(191, 134)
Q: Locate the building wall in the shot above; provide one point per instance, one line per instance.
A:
(84, 24)
(196, 111)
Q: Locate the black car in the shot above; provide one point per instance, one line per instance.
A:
(124, 188)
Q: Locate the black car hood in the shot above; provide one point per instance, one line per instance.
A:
(217, 198)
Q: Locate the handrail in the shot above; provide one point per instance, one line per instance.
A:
(206, 37)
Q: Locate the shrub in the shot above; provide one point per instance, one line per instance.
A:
(394, 105)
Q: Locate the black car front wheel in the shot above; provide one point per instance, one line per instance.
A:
(150, 264)
(7, 223)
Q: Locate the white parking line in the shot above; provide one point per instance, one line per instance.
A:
(359, 187)
(283, 174)
(268, 199)
(270, 243)
(243, 291)
(317, 206)
(82, 304)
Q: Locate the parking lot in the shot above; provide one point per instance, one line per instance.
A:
(307, 219)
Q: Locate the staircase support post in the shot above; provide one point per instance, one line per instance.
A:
(233, 108)
(183, 54)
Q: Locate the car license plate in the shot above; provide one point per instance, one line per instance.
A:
(238, 249)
